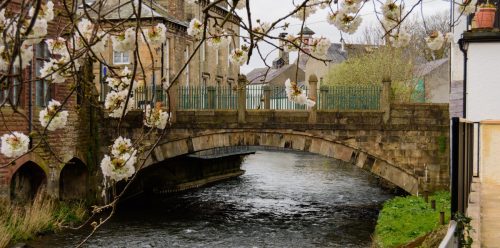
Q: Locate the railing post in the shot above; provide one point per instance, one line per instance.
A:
(211, 97)
(267, 96)
(313, 95)
(242, 98)
(385, 99)
(323, 97)
(173, 106)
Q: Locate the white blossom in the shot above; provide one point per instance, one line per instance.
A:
(297, 95)
(319, 47)
(155, 117)
(435, 41)
(391, 10)
(50, 113)
(14, 144)
(56, 70)
(402, 39)
(239, 56)
(57, 46)
(467, 8)
(157, 35)
(26, 56)
(38, 32)
(345, 22)
(115, 103)
(99, 45)
(195, 28)
(350, 6)
(46, 11)
(85, 27)
(120, 165)
(218, 38)
(122, 81)
(261, 28)
(305, 11)
(125, 41)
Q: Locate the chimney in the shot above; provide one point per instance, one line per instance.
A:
(284, 55)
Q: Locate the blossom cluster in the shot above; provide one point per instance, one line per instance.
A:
(346, 18)
(17, 26)
(120, 164)
(52, 117)
(14, 144)
(436, 40)
(296, 94)
(239, 56)
(155, 117)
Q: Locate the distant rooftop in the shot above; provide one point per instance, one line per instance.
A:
(306, 31)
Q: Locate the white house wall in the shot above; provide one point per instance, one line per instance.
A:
(483, 81)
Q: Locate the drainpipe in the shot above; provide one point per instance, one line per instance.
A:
(30, 101)
(463, 45)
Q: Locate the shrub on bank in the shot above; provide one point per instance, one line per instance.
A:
(19, 223)
(404, 219)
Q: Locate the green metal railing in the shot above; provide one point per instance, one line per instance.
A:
(349, 97)
(279, 99)
(255, 96)
(192, 97)
(199, 97)
(149, 95)
(328, 97)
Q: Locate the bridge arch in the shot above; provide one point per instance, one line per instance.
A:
(27, 181)
(294, 140)
(73, 180)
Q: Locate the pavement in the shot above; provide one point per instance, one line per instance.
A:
(490, 215)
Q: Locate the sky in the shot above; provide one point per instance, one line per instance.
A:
(270, 10)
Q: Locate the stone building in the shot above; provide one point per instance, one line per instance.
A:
(57, 157)
(208, 67)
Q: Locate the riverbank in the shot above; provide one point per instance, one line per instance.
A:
(20, 223)
(409, 219)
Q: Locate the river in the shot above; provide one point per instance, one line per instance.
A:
(285, 199)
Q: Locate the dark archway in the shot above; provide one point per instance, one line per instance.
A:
(73, 180)
(28, 180)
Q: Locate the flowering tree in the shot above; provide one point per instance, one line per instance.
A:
(83, 33)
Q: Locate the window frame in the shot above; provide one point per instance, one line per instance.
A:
(121, 62)
(46, 89)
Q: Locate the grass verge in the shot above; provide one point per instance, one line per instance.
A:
(404, 219)
(19, 223)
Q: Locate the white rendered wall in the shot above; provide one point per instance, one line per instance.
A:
(483, 81)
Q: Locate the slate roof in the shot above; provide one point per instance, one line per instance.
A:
(307, 31)
(259, 76)
(427, 68)
(116, 10)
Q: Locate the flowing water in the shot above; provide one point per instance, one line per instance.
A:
(284, 199)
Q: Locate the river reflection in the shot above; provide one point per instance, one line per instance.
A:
(284, 199)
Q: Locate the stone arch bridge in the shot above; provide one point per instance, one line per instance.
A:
(406, 145)
(410, 149)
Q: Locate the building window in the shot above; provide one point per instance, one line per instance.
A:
(121, 57)
(218, 80)
(166, 62)
(186, 57)
(12, 90)
(217, 56)
(203, 51)
(42, 87)
(229, 50)
(17, 87)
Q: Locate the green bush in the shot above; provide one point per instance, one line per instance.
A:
(404, 219)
